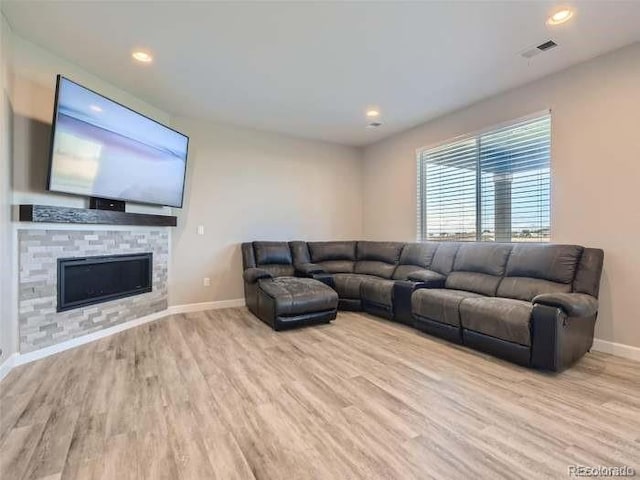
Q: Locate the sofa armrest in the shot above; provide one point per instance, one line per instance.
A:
(325, 278)
(428, 279)
(562, 327)
(252, 275)
(573, 304)
(557, 339)
(309, 269)
(402, 291)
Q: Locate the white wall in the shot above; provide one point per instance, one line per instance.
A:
(595, 172)
(8, 326)
(248, 185)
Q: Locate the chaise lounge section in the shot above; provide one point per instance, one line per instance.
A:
(533, 304)
(276, 296)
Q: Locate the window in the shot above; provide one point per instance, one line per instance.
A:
(494, 186)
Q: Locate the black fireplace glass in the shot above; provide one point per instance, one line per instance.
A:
(91, 280)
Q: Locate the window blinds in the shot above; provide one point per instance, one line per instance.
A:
(489, 187)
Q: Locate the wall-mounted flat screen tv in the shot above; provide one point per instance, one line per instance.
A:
(100, 148)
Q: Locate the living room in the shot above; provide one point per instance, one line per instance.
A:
(398, 242)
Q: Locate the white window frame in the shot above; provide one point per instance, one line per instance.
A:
(421, 234)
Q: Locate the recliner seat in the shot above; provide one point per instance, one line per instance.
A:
(506, 299)
(379, 260)
(476, 271)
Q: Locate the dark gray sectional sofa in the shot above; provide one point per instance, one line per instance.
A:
(533, 304)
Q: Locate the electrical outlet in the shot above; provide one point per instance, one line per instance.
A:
(206, 281)
(200, 229)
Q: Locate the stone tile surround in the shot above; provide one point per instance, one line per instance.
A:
(39, 324)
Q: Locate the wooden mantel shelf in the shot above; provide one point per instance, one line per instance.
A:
(50, 214)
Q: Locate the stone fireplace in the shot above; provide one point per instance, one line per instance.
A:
(40, 324)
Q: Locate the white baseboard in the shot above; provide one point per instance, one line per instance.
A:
(200, 307)
(617, 349)
(8, 364)
(91, 337)
(22, 358)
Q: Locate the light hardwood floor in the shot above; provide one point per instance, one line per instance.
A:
(219, 395)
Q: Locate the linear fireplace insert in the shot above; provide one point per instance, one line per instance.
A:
(91, 280)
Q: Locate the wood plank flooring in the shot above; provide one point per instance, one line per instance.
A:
(219, 395)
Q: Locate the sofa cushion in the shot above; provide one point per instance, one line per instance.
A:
(334, 257)
(387, 252)
(444, 257)
(488, 258)
(378, 258)
(438, 304)
(337, 266)
(556, 263)
(414, 257)
(525, 288)
(479, 267)
(325, 251)
(279, 270)
(473, 282)
(420, 254)
(503, 318)
(377, 290)
(297, 296)
(348, 284)
(299, 252)
(272, 253)
(378, 269)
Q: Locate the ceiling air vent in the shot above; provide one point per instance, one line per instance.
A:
(543, 47)
(548, 45)
(374, 125)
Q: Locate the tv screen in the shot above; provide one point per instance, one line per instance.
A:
(102, 149)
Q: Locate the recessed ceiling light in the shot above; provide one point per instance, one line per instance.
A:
(95, 108)
(373, 112)
(142, 56)
(560, 16)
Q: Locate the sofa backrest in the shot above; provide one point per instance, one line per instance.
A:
(274, 257)
(334, 257)
(510, 270)
(589, 272)
(299, 252)
(414, 258)
(248, 257)
(534, 269)
(377, 258)
(444, 257)
(479, 267)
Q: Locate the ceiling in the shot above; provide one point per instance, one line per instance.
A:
(311, 69)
